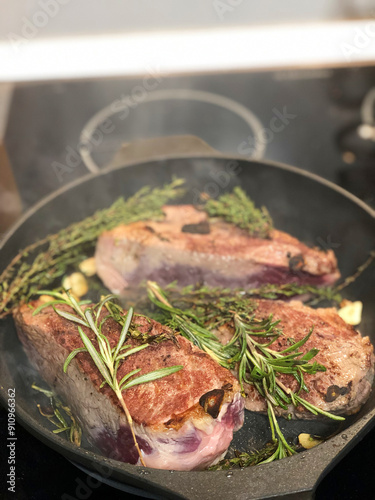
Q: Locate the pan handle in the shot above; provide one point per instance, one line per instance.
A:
(151, 148)
(156, 147)
(170, 95)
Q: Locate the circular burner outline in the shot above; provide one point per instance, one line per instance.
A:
(174, 94)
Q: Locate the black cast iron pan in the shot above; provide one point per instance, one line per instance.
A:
(312, 209)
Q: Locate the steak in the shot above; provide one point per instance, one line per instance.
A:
(188, 247)
(348, 357)
(184, 421)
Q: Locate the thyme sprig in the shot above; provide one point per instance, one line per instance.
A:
(58, 416)
(314, 294)
(217, 305)
(250, 350)
(39, 264)
(244, 459)
(106, 358)
(238, 209)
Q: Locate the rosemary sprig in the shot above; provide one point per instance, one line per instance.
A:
(238, 209)
(106, 358)
(188, 324)
(350, 279)
(259, 365)
(39, 264)
(250, 349)
(59, 415)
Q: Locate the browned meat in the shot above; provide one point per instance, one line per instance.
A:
(347, 356)
(187, 248)
(174, 420)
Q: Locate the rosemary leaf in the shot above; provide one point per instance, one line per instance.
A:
(151, 376)
(314, 409)
(127, 376)
(47, 304)
(96, 357)
(69, 316)
(102, 304)
(46, 392)
(71, 356)
(124, 331)
(62, 429)
(132, 351)
(299, 344)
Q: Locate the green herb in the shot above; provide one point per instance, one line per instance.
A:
(189, 326)
(350, 279)
(107, 359)
(217, 305)
(279, 291)
(250, 350)
(208, 302)
(260, 365)
(237, 208)
(39, 264)
(244, 459)
(58, 416)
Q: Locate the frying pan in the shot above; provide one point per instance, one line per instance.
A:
(312, 209)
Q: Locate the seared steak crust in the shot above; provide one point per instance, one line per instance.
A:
(166, 412)
(187, 247)
(347, 356)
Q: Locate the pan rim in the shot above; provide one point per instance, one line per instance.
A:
(282, 166)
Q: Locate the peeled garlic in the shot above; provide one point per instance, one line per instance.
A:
(351, 313)
(76, 283)
(308, 441)
(88, 266)
(45, 298)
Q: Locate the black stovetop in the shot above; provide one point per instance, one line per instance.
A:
(321, 137)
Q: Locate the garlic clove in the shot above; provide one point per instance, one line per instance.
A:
(308, 441)
(351, 313)
(88, 267)
(76, 283)
(45, 298)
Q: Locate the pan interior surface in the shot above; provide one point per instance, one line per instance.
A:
(311, 210)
